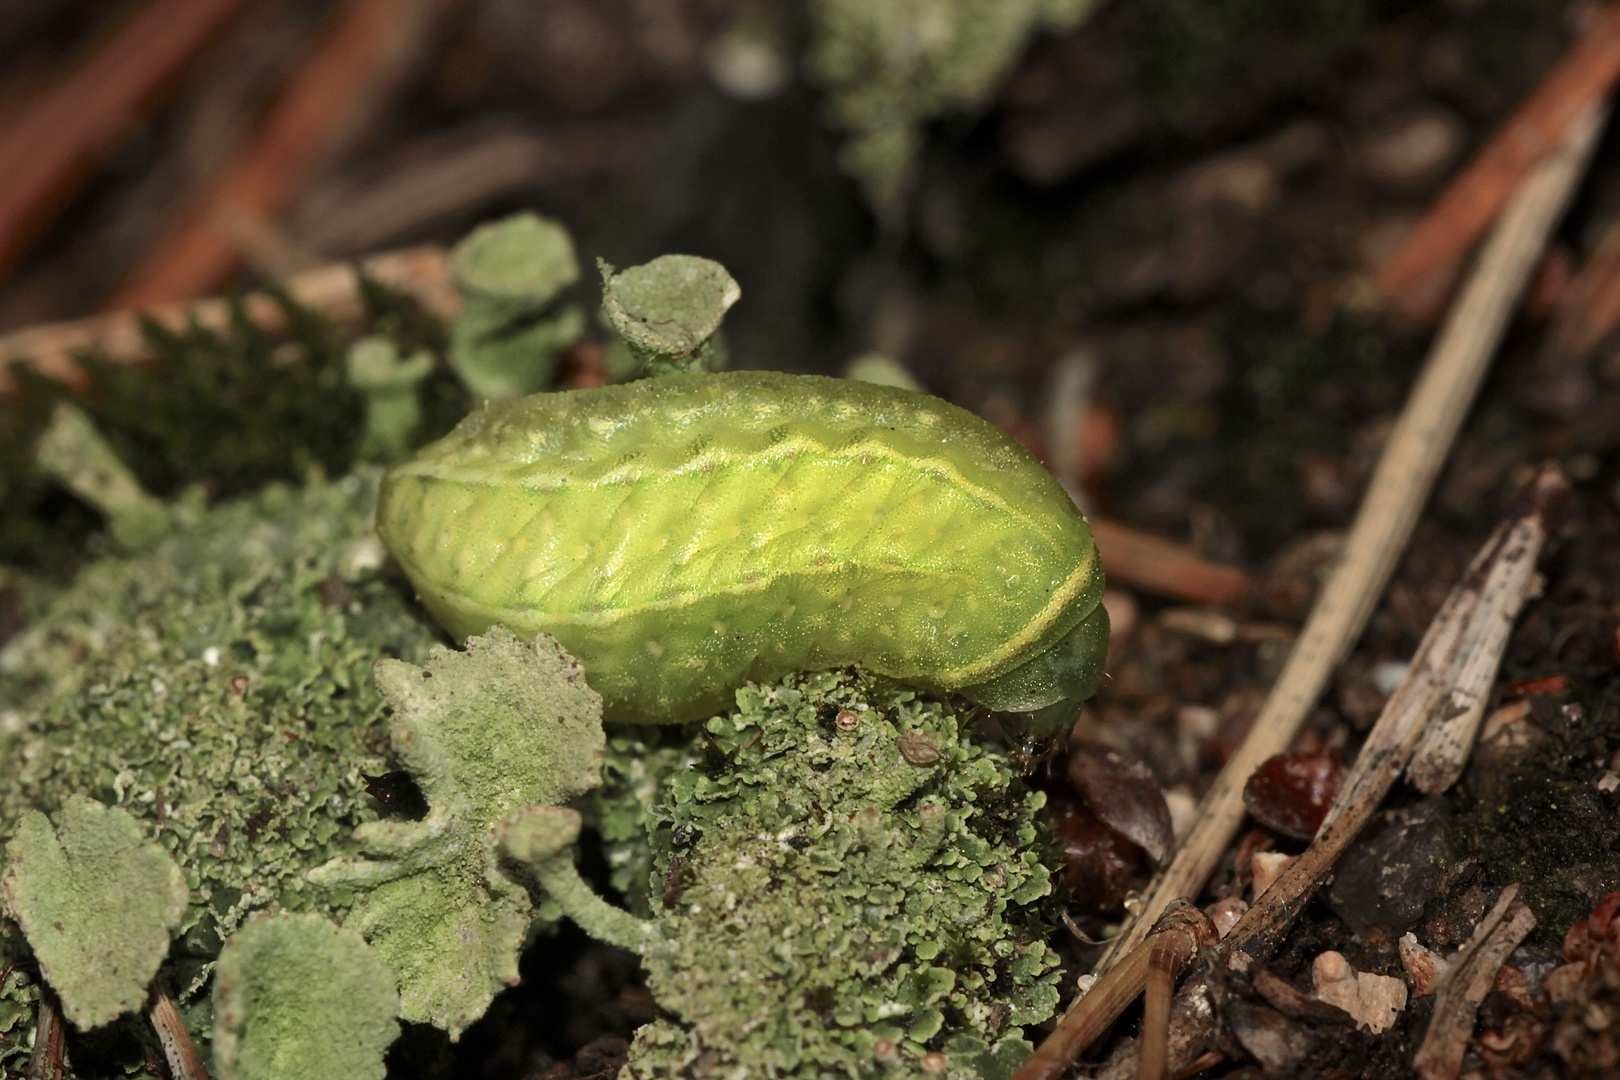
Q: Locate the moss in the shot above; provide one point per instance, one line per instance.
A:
(228, 412)
(824, 902)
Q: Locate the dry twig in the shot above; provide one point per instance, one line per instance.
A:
(1133, 557)
(1415, 278)
(51, 147)
(1472, 974)
(49, 1060)
(339, 86)
(185, 1063)
(1153, 965)
(1417, 447)
(421, 273)
(1412, 457)
(1437, 707)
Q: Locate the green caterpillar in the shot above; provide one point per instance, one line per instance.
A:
(684, 534)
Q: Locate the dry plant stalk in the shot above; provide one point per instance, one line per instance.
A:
(338, 87)
(1151, 966)
(185, 1063)
(1429, 724)
(421, 273)
(1400, 485)
(1156, 564)
(1471, 977)
(1447, 681)
(49, 1059)
(1415, 278)
(50, 147)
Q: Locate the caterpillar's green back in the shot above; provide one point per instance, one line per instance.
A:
(684, 534)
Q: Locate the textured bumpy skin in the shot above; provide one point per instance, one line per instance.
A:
(684, 534)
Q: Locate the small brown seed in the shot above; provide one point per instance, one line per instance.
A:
(917, 748)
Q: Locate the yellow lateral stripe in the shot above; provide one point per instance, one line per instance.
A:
(480, 477)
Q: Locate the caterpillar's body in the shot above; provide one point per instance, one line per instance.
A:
(682, 535)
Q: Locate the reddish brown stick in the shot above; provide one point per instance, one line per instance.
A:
(361, 58)
(1133, 557)
(1415, 277)
(1175, 939)
(1589, 310)
(49, 148)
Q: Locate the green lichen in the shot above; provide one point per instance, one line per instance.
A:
(637, 764)
(844, 885)
(296, 997)
(74, 452)
(512, 274)
(389, 383)
(97, 901)
(501, 726)
(218, 689)
(538, 842)
(668, 312)
(891, 66)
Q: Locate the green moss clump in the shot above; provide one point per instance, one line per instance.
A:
(844, 885)
(219, 689)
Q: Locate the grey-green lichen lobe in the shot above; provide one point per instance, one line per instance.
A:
(219, 689)
(512, 274)
(669, 311)
(97, 901)
(297, 997)
(498, 727)
(827, 902)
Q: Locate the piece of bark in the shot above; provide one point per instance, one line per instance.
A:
(1458, 646)
(1414, 279)
(1425, 967)
(49, 148)
(1155, 564)
(421, 273)
(340, 85)
(1472, 975)
(1291, 1002)
(1373, 1001)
